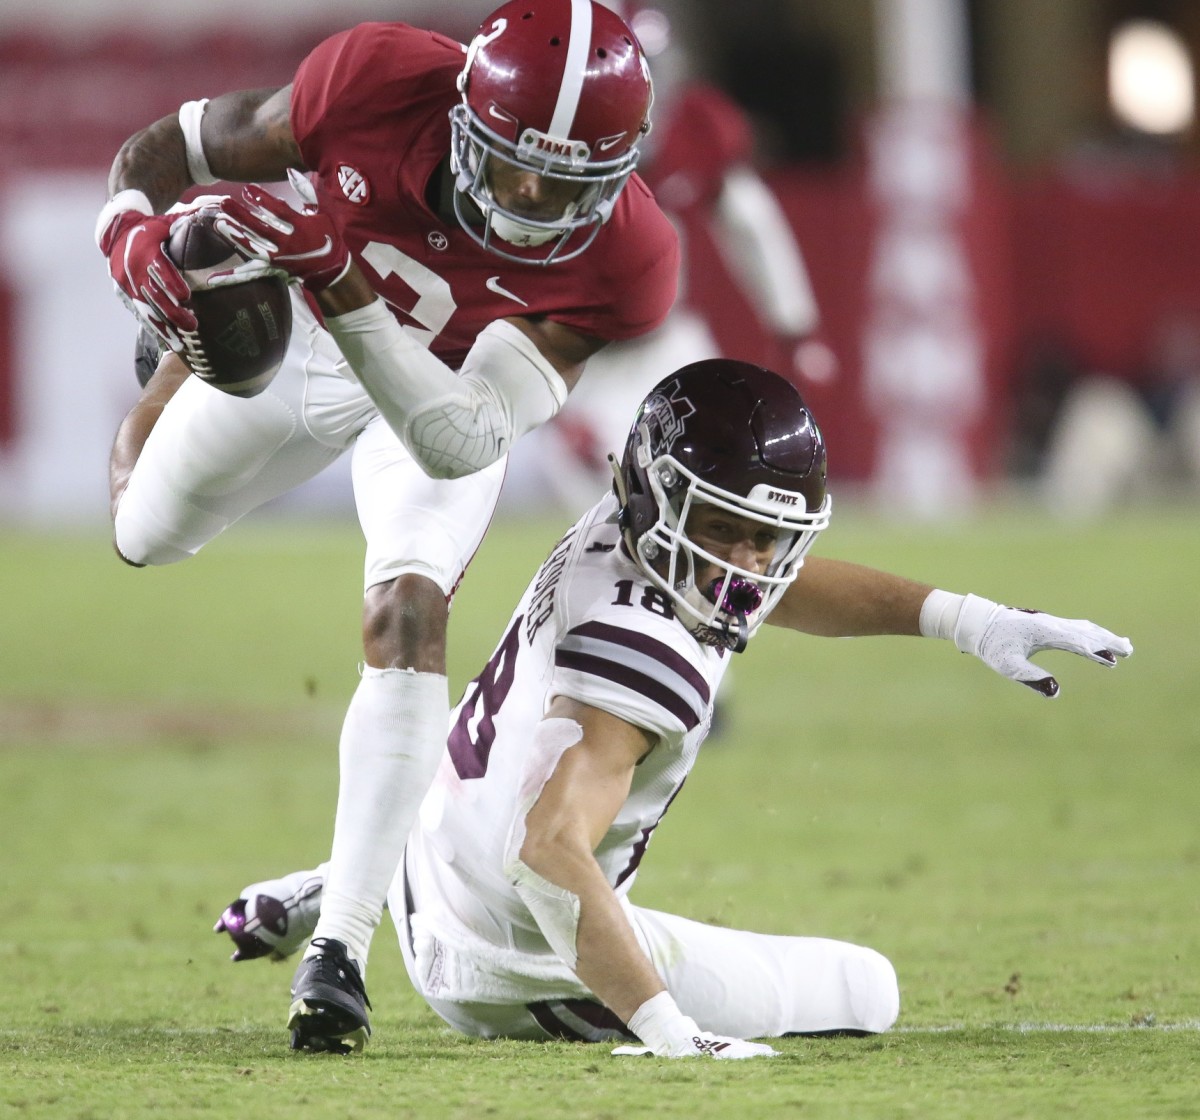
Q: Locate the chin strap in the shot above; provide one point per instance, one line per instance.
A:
(726, 638)
(622, 493)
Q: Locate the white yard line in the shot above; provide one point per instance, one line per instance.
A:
(1053, 1028)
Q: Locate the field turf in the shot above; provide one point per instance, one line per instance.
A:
(1032, 868)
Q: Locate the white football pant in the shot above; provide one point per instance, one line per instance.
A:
(212, 458)
(732, 982)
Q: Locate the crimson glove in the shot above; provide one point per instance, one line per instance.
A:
(304, 243)
(132, 237)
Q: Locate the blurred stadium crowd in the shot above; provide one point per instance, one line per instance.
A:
(989, 310)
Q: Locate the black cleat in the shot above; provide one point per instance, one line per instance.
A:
(329, 1002)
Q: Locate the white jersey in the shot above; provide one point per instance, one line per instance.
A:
(592, 628)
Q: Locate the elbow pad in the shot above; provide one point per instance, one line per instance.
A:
(454, 424)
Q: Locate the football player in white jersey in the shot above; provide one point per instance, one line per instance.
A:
(566, 751)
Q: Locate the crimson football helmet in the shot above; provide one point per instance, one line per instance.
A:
(560, 88)
(739, 437)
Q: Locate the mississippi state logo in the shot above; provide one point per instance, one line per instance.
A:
(354, 184)
(664, 415)
(437, 240)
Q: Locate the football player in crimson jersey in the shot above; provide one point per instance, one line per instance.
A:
(477, 233)
(567, 750)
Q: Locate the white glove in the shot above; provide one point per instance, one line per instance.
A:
(1004, 638)
(274, 918)
(705, 1044)
(668, 1033)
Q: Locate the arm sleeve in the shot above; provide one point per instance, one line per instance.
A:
(453, 424)
(760, 248)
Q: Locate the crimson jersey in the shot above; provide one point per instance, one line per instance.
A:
(705, 134)
(370, 111)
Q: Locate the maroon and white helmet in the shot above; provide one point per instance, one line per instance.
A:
(739, 437)
(560, 88)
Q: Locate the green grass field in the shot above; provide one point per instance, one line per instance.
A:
(1032, 868)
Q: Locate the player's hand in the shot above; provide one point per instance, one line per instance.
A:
(304, 243)
(1004, 638)
(667, 1032)
(149, 284)
(273, 918)
(704, 1044)
(247, 946)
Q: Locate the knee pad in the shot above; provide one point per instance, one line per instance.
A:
(139, 540)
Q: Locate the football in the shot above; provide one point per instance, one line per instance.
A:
(243, 328)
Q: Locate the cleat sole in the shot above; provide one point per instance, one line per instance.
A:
(322, 1028)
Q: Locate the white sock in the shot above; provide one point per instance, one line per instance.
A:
(392, 741)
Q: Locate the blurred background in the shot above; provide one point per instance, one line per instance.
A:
(969, 229)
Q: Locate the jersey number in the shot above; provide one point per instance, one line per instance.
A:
(653, 598)
(470, 746)
(435, 302)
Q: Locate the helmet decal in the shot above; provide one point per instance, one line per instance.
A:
(665, 415)
(482, 39)
(577, 60)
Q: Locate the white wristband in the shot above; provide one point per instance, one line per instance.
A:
(120, 202)
(961, 619)
(190, 115)
(939, 613)
(662, 1026)
(973, 620)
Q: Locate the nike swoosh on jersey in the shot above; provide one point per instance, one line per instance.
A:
(493, 285)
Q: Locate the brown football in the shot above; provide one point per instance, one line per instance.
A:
(243, 328)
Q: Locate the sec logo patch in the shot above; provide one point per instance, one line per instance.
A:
(354, 184)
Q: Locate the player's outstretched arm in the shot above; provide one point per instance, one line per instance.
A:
(1004, 638)
(589, 758)
(833, 598)
(757, 241)
(836, 599)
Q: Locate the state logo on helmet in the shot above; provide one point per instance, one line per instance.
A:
(560, 88)
(739, 437)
